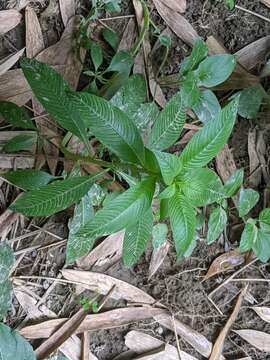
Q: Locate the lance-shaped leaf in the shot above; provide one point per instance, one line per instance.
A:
(198, 53)
(120, 213)
(14, 346)
(16, 116)
(169, 124)
(169, 164)
(28, 179)
(19, 143)
(159, 235)
(110, 125)
(216, 224)
(202, 187)
(183, 222)
(207, 106)
(208, 141)
(50, 199)
(190, 91)
(51, 91)
(136, 239)
(247, 200)
(233, 184)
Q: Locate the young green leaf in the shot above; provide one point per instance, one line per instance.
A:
(230, 4)
(169, 164)
(110, 125)
(19, 143)
(190, 91)
(16, 116)
(263, 249)
(208, 141)
(199, 52)
(136, 239)
(164, 209)
(28, 179)
(82, 214)
(207, 107)
(250, 101)
(215, 69)
(159, 235)
(122, 212)
(6, 261)
(168, 192)
(51, 91)
(216, 224)
(14, 346)
(247, 200)
(169, 124)
(183, 222)
(233, 184)
(249, 236)
(113, 6)
(52, 198)
(96, 54)
(264, 218)
(121, 62)
(201, 187)
(111, 38)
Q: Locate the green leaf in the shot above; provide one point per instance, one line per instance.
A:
(208, 141)
(51, 91)
(169, 164)
(215, 69)
(121, 62)
(168, 192)
(190, 91)
(169, 124)
(216, 224)
(145, 116)
(136, 239)
(113, 6)
(82, 214)
(52, 198)
(19, 143)
(247, 200)
(111, 38)
(7, 260)
(264, 218)
(199, 52)
(207, 108)
(201, 187)
(96, 54)
(16, 116)
(28, 179)
(165, 40)
(110, 125)
(14, 346)
(164, 209)
(249, 236)
(233, 184)
(250, 101)
(159, 235)
(262, 250)
(230, 4)
(5, 298)
(122, 212)
(183, 222)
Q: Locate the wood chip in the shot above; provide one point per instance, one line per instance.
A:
(107, 320)
(260, 340)
(178, 24)
(255, 171)
(67, 9)
(218, 346)
(140, 342)
(225, 262)
(9, 61)
(9, 19)
(157, 258)
(103, 283)
(263, 312)
(105, 254)
(176, 5)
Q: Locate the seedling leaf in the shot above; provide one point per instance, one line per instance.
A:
(247, 200)
(216, 225)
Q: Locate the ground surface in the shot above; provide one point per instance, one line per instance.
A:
(178, 285)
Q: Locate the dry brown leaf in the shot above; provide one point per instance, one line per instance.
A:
(179, 25)
(261, 150)
(17, 161)
(260, 340)
(14, 87)
(265, 2)
(34, 37)
(67, 9)
(225, 163)
(129, 36)
(140, 342)
(9, 61)
(60, 335)
(263, 312)
(157, 258)
(224, 262)
(107, 320)
(7, 219)
(8, 20)
(103, 283)
(176, 5)
(218, 346)
(104, 255)
(255, 171)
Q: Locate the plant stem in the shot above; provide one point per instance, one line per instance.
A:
(144, 30)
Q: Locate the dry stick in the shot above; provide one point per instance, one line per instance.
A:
(252, 13)
(176, 337)
(251, 280)
(231, 277)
